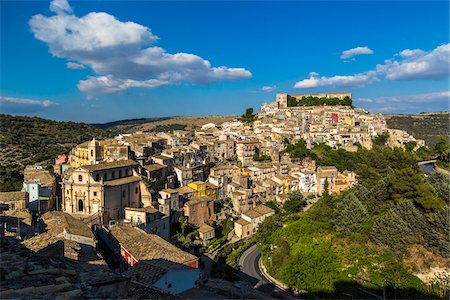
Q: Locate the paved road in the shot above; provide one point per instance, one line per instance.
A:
(249, 265)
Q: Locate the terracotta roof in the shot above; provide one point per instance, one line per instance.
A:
(242, 222)
(263, 210)
(184, 190)
(162, 157)
(169, 191)
(205, 228)
(145, 246)
(150, 271)
(258, 211)
(110, 165)
(12, 196)
(148, 209)
(154, 167)
(122, 181)
(43, 176)
(197, 199)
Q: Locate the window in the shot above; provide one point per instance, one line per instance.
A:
(113, 174)
(126, 172)
(68, 192)
(137, 190)
(105, 176)
(120, 173)
(97, 177)
(123, 194)
(80, 178)
(92, 153)
(95, 194)
(80, 205)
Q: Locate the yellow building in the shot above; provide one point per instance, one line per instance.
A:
(93, 152)
(203, 189)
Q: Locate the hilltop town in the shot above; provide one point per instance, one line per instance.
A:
(146, 204)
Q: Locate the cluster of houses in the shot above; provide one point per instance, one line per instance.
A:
(132, 189)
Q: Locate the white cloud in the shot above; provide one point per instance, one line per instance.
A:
(268, 88)
(434, 101)
(60, 6)
(23, 104)
(121, 52)
(360, 79)
(356, 51)
(419, 65)
(75, 66)
(109, 84)
(410, 53)
(414, 98)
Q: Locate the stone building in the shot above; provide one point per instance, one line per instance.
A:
(103, 190)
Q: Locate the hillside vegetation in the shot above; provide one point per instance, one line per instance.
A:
(29, 140)
(163, 124)
(428, 127)
(387, 233)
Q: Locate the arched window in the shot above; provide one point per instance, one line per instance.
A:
(80, 178)
(80, 205)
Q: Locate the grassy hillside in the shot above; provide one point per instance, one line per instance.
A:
(29, 140)
(428, 127)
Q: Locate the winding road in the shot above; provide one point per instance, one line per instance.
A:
(249, 265)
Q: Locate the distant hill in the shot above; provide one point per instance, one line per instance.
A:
(125, 125)
(29, 140)
(163, 123)
(428, 127)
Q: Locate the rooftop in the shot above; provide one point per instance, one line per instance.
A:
(121, 181)
(147, 209)
(242, 222)
(205, 228)
(154, 167)
(145, 246)
(197, 199)
(110, 165)
(258, 211)
(12, 196)
(41, 175)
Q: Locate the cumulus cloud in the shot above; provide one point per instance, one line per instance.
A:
(268, 88)
(121, 53)
(75, 66)
(314, 80)
(13, 104)
(356, 51)
(433, 101)
(418, 65)
(415, 64)
(109, 84)
(411, 52)
(415, 98)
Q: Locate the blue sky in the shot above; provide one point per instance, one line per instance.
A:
(98, 61)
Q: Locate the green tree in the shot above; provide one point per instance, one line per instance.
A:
(381, 139)
(313, 266)
(183, 223)
(440, 184)
(409, 146)
(390, 230)
(294, 203)
(350, 214)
